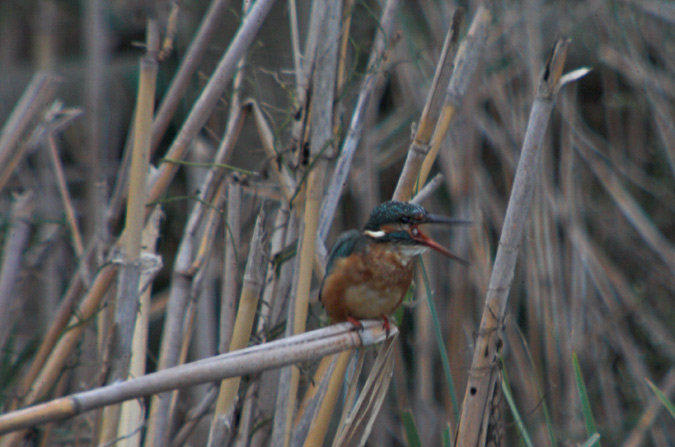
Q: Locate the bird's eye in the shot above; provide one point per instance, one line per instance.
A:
(405, 219)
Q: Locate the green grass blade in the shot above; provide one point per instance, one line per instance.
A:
(663, 398)
(447, 436)
(593, 440)
(506, 389)
(441, 343)
(583, 396)
(411, 433)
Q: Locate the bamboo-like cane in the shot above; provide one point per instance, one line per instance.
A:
(211, 94)
(126, 306)
(420, 144)
(246, 312)
(132, 414)
(484, 371)
(287, 351)
(320, 141)
(38, 93)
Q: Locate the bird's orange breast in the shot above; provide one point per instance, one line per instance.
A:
(368, 284)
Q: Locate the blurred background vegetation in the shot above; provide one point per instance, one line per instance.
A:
(596, 268)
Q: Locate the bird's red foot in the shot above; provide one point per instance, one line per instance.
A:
(386, 325)
(357, 324)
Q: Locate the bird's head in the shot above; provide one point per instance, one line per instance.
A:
(399, 223)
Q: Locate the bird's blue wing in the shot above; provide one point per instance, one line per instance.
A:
(343, 247)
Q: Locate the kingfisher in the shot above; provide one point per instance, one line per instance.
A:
(369, 272)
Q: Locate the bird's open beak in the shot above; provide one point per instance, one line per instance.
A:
(426, 240)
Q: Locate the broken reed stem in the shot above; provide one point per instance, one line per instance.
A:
(61, 182)
(246, 313)
(189, 63)
(210, 95)
(419, 146)
(126, 301)
(321, 141)
(32, 103)
(300, 348)
(376, 63)
(484, 373)
(317, 431)
(132, 413)
(468, 55)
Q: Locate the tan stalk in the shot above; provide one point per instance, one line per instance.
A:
(189, 63)
(126, 303)
(248, 304)
(284, 179)
(287, 351)
(210, 95)
(174, 325)
(35, 98)
(466, 62)
(484, 373)
(321, 141)
(259, 402)
(198, 271)
(420, 144)
(232, 238)
(317, 431)
(133, 412)
(359, 422)
(375, 64)
(75, 233)
(52, 368)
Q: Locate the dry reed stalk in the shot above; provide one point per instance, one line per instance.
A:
(628, 206)
(419, 146)
(295, 46)
(376, 63)
(68, 207)
(127, 299)
(375, 66)
(63, 315)
(317, 431)
(321, 143)
(284, 180)
(58, 355)
(210, 95)
(189, 63)
(360, 419)
(484, 371)
(21, 215)
(193, 416)
(132, 413)
(469, 54)
(198, 271)
(39, 92)
(173, 328)
(251, 288)
(232, 238)
(287, 351)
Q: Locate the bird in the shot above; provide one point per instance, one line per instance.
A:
(369, 272)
